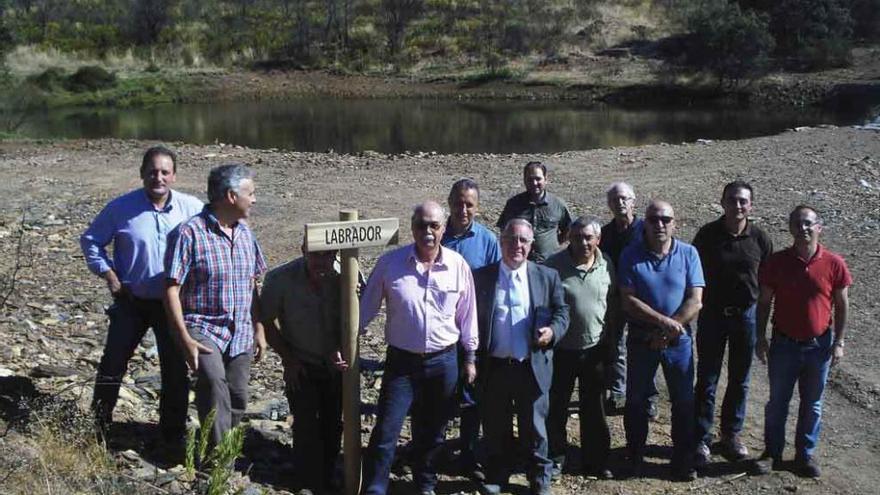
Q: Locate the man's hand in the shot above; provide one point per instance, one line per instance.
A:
(762, 348)
(259, 343)
(659, 341)
(836, 354)
(545, 336)
(191, 350)
(469, 373)
(338, 362)
(293, 371)
(113, 284)
(673, 329)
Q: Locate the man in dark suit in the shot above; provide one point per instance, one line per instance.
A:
(522, 314)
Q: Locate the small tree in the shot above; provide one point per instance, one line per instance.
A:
(732, 43)
(396, 16)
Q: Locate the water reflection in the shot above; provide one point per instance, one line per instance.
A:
(445, 126)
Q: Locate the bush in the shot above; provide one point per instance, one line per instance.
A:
(90, 78)
(815, 33)
(51, 79)
(732, 43)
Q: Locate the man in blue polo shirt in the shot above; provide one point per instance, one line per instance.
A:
(661, 283)
(479, 247)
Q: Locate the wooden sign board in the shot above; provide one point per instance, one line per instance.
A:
(330, 236)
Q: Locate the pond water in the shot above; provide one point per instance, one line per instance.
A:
(444, 126)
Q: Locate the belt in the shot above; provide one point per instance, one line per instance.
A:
(731, 311)
(798, 341)
(508, 361)
(421, 355)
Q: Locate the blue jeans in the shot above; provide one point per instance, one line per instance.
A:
(805, 363)
(427, 383)
(717, 331)
(678, 369)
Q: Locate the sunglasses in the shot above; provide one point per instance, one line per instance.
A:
(658, 218)
(419, 224)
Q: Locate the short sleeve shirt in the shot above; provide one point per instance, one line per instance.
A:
(216, 274)
(661, 283)
(730, 263)
(586, 292)
(803, 290)
(548, 217)
(308, 316)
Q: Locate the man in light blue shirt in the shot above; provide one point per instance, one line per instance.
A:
(479, 247)
(137, 224)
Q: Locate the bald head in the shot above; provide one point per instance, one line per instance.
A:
(428, 223)
(659, 225)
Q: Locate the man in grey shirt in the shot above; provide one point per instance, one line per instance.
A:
(547, 213)
(303, 297)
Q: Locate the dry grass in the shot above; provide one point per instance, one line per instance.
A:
(58, 453)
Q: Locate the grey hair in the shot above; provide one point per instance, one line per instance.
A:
(514, 222)
(587, 221)
(622, 186)
(423, 206)
(227, 178)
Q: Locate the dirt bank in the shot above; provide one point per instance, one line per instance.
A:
(55, 316)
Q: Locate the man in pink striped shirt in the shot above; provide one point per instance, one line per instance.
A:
(430, 305)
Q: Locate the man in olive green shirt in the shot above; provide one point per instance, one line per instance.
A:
(589, 282)
(303, 297)
(546, 212)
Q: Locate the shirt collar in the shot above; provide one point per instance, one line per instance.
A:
(507, 272)
(747, 232)
(541, 201)
(169, 204)
(414, 259)
(598, 260)
(468, 232)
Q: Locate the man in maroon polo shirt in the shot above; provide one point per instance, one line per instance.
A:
(809, 286)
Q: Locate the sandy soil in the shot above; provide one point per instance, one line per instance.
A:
(63, 184)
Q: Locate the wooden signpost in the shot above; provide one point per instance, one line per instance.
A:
(348, 235)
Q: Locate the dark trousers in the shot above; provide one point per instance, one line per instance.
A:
(316, 404)
(588, 368)
(222, 386)
(130, 318)
(508, 389)
(716, 331)
(469, 429)
(678, 368)
(427, 383)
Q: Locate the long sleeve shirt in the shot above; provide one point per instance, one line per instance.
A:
(427, 310)
(139, 233)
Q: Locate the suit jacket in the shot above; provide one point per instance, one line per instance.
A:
(547, 307)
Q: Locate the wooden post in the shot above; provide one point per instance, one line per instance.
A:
(351, 378)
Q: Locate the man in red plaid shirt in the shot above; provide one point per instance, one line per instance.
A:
(212, 264)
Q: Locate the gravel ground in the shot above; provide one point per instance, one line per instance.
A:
(54, 322)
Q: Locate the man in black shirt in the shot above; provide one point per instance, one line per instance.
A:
(547, 213)
(625, 227)
(731, 249)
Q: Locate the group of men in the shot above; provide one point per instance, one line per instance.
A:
(493, 329)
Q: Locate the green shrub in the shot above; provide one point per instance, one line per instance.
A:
(814, 33)
(732, 43)
(51, 79)
(90, 78)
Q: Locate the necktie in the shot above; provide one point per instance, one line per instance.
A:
(519, 341)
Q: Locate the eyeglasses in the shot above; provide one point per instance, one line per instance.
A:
(659, 218)
(517, 238)
(419, 224)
